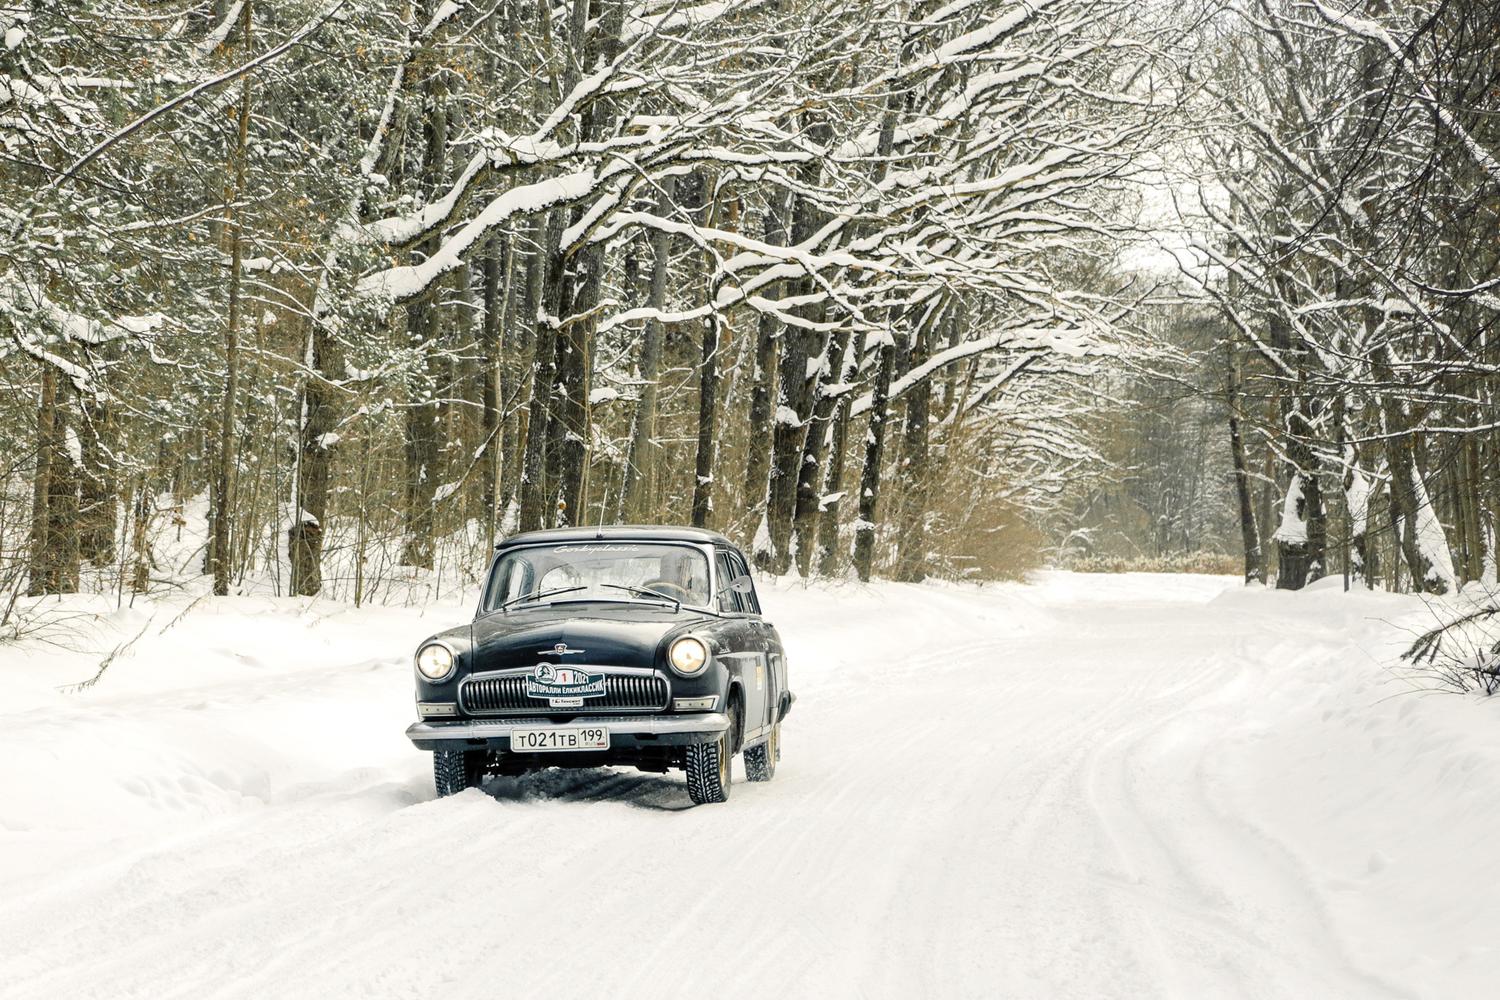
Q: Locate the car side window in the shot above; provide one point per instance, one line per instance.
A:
(729, 601)
(511, 583)
(750, 602)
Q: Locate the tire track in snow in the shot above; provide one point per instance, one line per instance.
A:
(1231, 913)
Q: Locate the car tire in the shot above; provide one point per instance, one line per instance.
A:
(709, 765)
(455, 770)
(760, 760)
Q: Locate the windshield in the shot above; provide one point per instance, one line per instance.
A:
(598, 571)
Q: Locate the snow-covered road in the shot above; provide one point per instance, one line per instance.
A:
(1130, 787)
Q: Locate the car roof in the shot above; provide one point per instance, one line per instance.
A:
(618, 533)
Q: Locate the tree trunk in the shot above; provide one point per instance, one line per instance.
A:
(573, 408)
(1356, 490)
(869, 479)
(1255, 557)
(1302, 538)
(1408, 495)
(578, 274)
(425, 329)
(547, 272)
(98, 503)
(569, 424)
(794, 409)
(1468, 474)
(314, 459)
(911, 533)
(635, 505)
(422, 449)
(62, 506)
(810, 470)
(219, 551)
(515, 346)
(54, 556)
(496, 281)
(708, 385)
(140, 544)
(768, 327)
(1301, 535)
(792, 414)
(1295, 565)
(833, 485)
(708, 373)
(499, 347)
(39, 569)
(1406, 507)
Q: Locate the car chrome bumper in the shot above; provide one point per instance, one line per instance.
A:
(624, 730)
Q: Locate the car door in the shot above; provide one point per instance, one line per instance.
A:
(748, 640)
(766, 641)
(775, 654)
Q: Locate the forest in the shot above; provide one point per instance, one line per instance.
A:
(895, 288)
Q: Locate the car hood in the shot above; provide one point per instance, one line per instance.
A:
(604, 636)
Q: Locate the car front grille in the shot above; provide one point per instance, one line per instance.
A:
(503, 694)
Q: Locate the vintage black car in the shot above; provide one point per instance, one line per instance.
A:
(642, 646)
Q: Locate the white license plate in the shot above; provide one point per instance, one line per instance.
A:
(559, 738)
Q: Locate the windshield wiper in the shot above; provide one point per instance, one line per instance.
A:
(676, 604)
(539, 595)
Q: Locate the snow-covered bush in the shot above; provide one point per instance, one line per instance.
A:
(1462, 652)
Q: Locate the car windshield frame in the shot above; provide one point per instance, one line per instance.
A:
(493, 599)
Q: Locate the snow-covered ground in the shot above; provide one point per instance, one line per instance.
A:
(1092, 786)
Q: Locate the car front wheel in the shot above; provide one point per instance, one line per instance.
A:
(708, 765)
(455, 770)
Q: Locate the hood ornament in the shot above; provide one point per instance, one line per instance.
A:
(561, 649)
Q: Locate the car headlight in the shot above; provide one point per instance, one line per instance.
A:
(688, 656)
(435, 661)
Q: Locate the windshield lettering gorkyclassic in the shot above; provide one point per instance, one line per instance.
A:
(641, 646)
